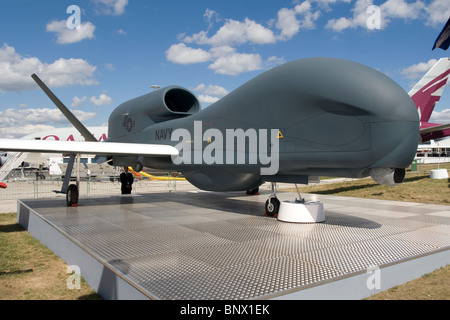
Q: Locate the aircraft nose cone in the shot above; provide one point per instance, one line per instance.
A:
(359, 87)
(332, 112)
(357, 101)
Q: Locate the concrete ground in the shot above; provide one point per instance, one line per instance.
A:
(8, 206)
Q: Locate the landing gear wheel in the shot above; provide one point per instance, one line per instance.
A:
(272, 206)
(253, 191)
(72, 196)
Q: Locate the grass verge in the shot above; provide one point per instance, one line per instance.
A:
(417, 187)
(30, 271)
(431, 286)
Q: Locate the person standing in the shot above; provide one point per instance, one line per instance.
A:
(126, 179)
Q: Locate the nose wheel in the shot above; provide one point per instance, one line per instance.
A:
(272, 205)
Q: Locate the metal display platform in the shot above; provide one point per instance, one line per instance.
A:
(202, 245)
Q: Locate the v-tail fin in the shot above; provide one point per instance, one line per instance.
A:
(69, 115)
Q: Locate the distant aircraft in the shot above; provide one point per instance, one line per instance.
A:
(56, 134)
(3, 158)
(12, 160)
(443, 39)
(309, 117)
(426, 93)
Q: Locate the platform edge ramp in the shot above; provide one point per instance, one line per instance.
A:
(99, 275)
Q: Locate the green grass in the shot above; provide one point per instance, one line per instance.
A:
(431, 286)
(417, 187)
(30, 271)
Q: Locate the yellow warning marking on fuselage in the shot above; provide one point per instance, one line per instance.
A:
(280, 135)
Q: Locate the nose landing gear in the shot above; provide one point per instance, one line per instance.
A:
(272, 206)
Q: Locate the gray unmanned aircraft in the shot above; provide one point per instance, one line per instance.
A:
(309, 117)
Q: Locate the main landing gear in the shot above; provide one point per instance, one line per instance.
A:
(272, 206)
(71, 191)
(253, 192)
(72, 196)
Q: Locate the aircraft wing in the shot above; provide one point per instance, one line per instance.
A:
(88, 147)
(435, 128)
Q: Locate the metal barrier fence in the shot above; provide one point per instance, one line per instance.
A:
(30, 189)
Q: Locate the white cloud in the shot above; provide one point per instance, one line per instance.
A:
(228, 62)
(359, 18)
(234, 33)
(211, 17)
(325, 3)
(339, 24)
(440, 116)
(390, 9)
(182, 54)
(15, 123)
(211, 90)
(289, 25)
(77, 102)
(438, 12)
(236, 63)
(207, 99)
(221, 47)
(65, 35)
(102, 100)
(274, 61)
(224, 42)
(111, 7)
(39, 115)
(200, 87)
(65, 72)
(20, 131)
(216, 90)
(418, 70)
(402, 9)
(210, 94)
(16, 71)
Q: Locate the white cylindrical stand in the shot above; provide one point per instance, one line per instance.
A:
(439, 174)
(308, 212)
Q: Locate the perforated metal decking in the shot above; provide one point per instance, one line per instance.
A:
(200, 245)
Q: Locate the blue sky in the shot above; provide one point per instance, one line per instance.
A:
(209, 47)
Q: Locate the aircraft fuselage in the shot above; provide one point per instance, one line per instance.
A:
(309, 117)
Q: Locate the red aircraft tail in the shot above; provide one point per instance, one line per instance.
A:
(428, 91)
